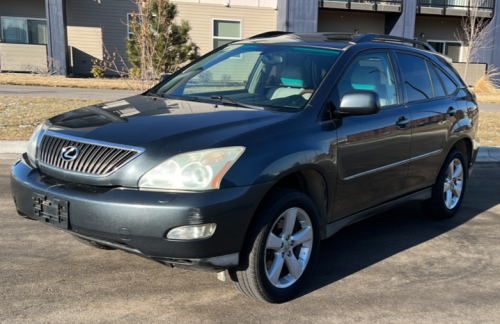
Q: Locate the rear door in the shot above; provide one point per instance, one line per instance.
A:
(433, 115)
(373, 151)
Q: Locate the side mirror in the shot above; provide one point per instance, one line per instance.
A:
(165, 77)
(360, 102)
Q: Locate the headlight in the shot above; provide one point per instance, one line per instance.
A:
(33, 143)
(199, 170)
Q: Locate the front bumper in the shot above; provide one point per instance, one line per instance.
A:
(137, 221)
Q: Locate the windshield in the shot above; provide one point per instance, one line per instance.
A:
(254, 75)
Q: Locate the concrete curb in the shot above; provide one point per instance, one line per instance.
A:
(13, 146)
(486, 153)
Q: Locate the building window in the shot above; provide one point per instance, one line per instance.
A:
(453, 49)
(24, 30)
(225, 31)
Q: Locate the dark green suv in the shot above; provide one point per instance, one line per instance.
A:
(249, 156)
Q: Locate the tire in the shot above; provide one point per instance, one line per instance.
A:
(449, 189)
(93, 244)
(280, 249)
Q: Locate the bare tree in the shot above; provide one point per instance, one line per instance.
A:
(475, 33)
(158, 45)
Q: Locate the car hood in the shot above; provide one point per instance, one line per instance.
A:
(148, 122)
(161, 127)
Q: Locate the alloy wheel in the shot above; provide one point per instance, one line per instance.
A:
(288, 247)
(453, 183)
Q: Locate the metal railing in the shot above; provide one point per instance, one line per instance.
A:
(459, 4)
(374, 2)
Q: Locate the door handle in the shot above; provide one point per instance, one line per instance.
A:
(402, 122)
(451, 111)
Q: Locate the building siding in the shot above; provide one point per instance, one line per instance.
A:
(248, 3)
(349, 22)
(92, 24)
(19, 57)
(23, 8)
(254, 20)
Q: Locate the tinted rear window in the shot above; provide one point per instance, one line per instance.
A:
(417, 82)
(449, 85)
(436, 83)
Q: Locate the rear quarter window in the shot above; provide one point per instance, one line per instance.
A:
(417, 82)
(449, 85)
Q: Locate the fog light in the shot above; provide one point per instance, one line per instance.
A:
(192, 232)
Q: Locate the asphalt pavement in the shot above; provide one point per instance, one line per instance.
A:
(398, 267)
(64, 93)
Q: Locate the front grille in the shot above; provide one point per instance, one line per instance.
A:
(93, 158)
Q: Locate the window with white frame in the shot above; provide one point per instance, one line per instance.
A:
(453, 49)
(225, 31)
(24, 30)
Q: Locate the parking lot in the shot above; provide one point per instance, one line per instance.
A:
(398, 267)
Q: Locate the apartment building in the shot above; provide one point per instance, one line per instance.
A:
(73, 32)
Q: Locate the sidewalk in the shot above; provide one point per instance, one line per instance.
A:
(486, 153)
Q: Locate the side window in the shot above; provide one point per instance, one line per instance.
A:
(436, 83)
(416, 77)
(371, 72)
(449, 85)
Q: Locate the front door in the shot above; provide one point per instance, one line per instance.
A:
(374, 150)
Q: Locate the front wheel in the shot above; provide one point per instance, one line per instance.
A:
(280, 249)
(449, 189)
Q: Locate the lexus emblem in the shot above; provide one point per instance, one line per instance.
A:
(69, 153)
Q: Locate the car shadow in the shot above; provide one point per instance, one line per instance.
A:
(368, 242)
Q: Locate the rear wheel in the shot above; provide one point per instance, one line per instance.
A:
(281, 248)
(449, 189)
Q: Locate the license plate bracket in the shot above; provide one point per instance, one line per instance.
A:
(51, 210)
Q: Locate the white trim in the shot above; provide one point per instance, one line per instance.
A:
(27, 27)
(228, 38)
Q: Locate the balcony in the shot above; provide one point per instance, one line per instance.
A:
(374, 5)
(485, 8)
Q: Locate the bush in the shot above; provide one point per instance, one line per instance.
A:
(97, 72)
(135, 73)
(487, 84)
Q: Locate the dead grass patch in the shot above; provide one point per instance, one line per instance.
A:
(485, 89)
(489, 128)
(493, 98)
(19, 116)
(57, 81)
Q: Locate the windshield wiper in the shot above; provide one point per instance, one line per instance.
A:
(234, 102)
(154, 94)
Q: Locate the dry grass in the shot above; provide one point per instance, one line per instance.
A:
(57, 81)
(485, 88)
(19, 116)
(493, 98)
(489, 128)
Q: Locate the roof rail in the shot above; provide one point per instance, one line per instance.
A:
(269, 34)
(366, 38)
